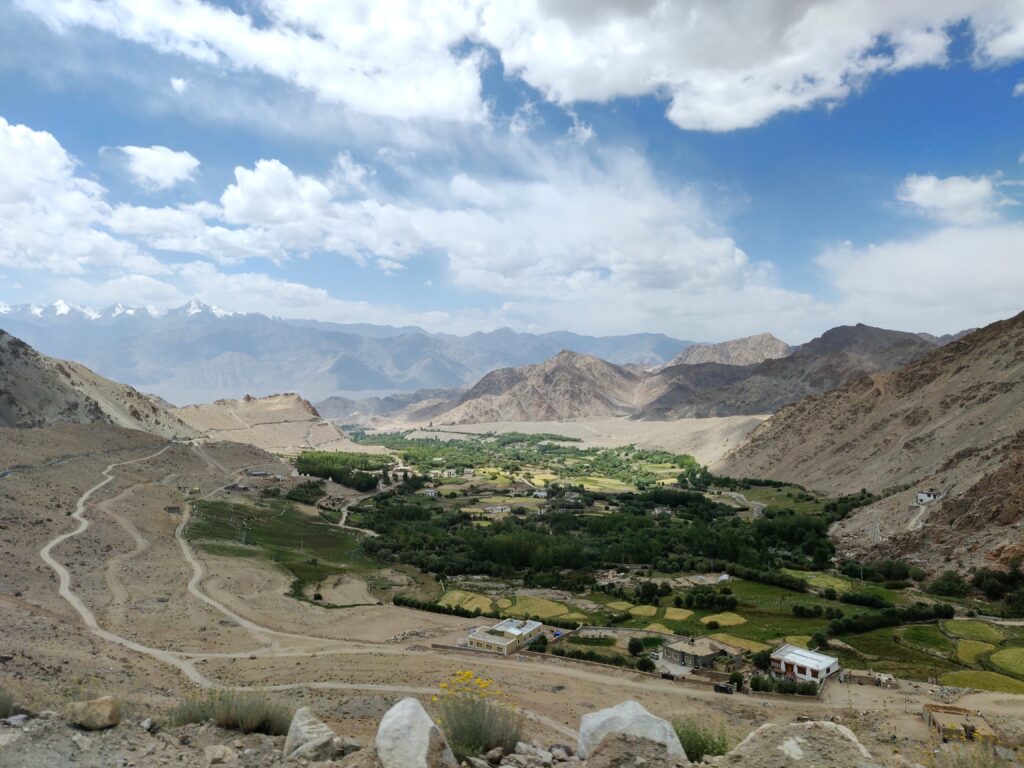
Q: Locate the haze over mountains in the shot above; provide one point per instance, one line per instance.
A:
(197, 353)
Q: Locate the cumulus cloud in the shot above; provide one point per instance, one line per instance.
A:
(156, 167)
(954, 199)
(179, 84)
(721, 64)
(51, 216)
(957, 276)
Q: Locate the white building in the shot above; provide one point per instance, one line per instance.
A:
(451, 473)
(498, 509)
(540, 494)
(802, 665)
(923, 497)
(431, 492)
(505, 637)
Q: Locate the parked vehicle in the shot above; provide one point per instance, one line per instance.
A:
(724, 688)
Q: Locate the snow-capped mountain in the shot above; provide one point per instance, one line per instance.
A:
(198, 352)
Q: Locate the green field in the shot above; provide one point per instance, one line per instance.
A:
(468, 600)
(985, 681)
(307, 548)
(973, 630)
(926, 637)
(1009, 660)
(880, 652)
(788, 496)
(968, 651)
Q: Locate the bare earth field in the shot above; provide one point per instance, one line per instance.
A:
(139, 614)
(707, 440)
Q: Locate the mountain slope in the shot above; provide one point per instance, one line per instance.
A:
(37, 391)
(749, 350)
(953, 419)
(567, 386)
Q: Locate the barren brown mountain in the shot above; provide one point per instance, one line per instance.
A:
(37, 391)
(952, 420)
(749, 350)
(570, 385)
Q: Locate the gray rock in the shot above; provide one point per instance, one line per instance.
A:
(476, 762)
(807, 745)
(619, 750)
(16, 721)
(83, 742)
(148, 725)
(309, 738)
(96, 714)
(494, 756)
(219, 754)
(559, 753)
(408, 738)
(631, 719)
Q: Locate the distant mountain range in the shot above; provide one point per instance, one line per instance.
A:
(749, 350)
(571, 385)
(198, 353)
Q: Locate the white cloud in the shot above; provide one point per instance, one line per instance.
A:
(947, 280)
(156, 168)
(579, 131)
(721, 64)
(954, 199)
(1018, 89)
(179, 84)
(51, 216)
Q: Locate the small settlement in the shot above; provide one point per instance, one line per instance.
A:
(505, 637)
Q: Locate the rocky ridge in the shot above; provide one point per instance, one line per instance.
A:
(749, 350)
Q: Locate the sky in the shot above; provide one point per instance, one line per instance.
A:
(706, 169)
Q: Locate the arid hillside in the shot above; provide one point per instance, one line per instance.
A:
(570, 386)
(567, 386)
(284, 423)
(749, 350)
(953, 420)
(37, 391)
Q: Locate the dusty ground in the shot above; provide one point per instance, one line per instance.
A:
(150, 627)
(706, 439)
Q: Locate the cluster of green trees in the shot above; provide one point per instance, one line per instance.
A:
(562, 548)
(816, 612)
(353, 470)
(865, 599)
(309, 492)
(784, 685)
(890, 617)
(888, 571)
(1006, 586)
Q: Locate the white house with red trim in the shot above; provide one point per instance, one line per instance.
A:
(802, 665)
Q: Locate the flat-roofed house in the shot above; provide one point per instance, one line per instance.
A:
(505, 637)
(800, 664)
(700, 652)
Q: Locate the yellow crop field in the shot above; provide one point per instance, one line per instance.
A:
(659, 628)
(741, 642)
(677, 614)
(968, 651)
(504, 603)
(1009, 660)
(536, 606)
(985, 681)
(727, 619)
(644, 610)
(468, 600)
(620, 606)
(800, 640)
(822, 580)
(574, 616)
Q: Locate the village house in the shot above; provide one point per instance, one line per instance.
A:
(468, 472)
(505, 637)
(539, 494)
(802, 665)
(432, 492)
(923, 497)
(451, 473)
(572, 496)
(498, 509)
(700, 652)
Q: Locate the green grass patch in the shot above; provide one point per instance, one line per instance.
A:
(700, 741)
(594, 640)
(535, 606)
(985, 681)
(1009, 660)
(926, 637)
(883, 654)
(305, 547)
(969, 651)
(973, 630)
(468, 600)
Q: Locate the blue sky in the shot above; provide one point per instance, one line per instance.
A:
(704, 169)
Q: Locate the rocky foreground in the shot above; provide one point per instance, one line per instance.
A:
(92, 734)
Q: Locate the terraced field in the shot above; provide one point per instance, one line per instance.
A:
(727, 619)
(1010, 660)
(982, 680)
(973, 630)
(969, 651)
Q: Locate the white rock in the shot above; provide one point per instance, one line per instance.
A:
(308, 736)
(408, 738)
(631, 719)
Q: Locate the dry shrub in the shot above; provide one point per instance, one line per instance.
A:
(475, 717)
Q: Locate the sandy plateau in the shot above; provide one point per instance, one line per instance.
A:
(145, 617)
